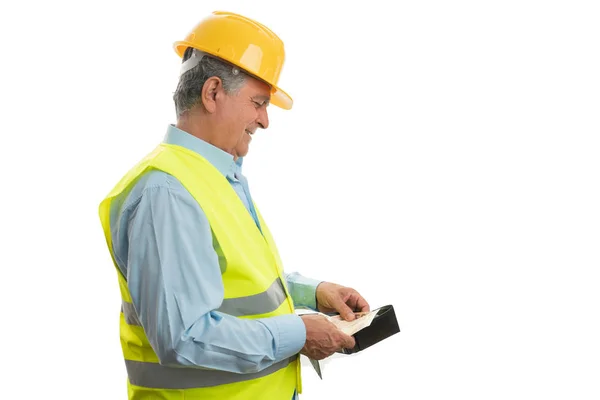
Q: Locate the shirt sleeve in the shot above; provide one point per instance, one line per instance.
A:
(174, 278)
(303, 290)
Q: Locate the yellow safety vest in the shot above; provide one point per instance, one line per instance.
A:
(252, 277)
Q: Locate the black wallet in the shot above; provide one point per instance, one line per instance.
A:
(382, 327)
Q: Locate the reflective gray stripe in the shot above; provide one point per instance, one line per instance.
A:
(152, 375)
(261, 303)
(130, 315)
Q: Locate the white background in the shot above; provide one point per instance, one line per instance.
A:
(441, 157)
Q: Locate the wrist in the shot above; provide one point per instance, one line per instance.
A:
(317, 296)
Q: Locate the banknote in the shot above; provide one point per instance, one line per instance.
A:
(361, 321)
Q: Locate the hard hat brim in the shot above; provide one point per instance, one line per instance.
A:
(281, 99)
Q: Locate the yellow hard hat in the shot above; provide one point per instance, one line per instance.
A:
(243, 42)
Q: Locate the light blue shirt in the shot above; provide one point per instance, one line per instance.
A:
(163, 244)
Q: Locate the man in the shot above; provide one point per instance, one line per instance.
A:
(207, 309)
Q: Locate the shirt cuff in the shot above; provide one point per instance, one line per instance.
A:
(303, 290)
(289, 333)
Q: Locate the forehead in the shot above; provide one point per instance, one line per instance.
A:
(255, 87)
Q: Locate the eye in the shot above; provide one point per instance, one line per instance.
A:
(258, 104)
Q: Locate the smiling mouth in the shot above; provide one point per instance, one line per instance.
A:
(248, 132)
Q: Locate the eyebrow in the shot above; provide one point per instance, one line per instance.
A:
(267, 99)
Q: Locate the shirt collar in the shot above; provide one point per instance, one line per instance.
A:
(220, 159)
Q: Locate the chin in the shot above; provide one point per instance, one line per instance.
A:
(242, 152)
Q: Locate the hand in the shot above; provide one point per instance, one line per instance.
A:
(336, 298)
(323, 338)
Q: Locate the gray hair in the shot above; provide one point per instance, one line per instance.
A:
(189, 88)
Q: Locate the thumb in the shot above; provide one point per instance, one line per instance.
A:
(345, 311)
(349, 342)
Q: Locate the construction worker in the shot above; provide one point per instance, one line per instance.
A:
(207, 309)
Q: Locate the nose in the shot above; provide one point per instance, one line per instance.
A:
(263, 118)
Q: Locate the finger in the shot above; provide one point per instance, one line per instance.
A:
(357, 302)
(342, 308)
(352, 301)
(362, 305)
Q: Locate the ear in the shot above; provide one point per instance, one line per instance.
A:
(211, 89)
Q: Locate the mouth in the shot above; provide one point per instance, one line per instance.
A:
(249, 133)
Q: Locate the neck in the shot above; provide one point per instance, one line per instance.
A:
(201, 126)
(197, 125)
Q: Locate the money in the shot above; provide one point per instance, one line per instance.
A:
(362, 320)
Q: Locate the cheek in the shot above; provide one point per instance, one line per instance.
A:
(244, 118)
(247, 119)
(249, 116)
